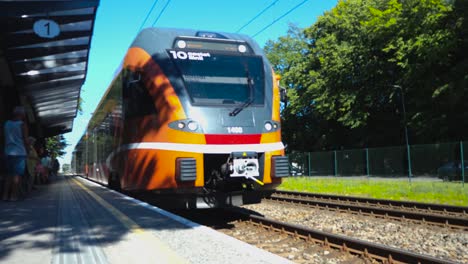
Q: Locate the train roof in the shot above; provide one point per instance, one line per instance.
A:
(157, 39)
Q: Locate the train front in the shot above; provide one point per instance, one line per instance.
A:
(218, 105)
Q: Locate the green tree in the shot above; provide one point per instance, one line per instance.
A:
(301, 122)
(56, 145)
(80, 105)
(353, 78)
(286, 56)
(425, 42)
(349, 70)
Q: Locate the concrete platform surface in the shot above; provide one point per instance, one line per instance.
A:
(73, 220)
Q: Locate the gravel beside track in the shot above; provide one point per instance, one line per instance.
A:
(418, 216)
(294, 249)
(283, 244)
(443, 209)
(434, 241)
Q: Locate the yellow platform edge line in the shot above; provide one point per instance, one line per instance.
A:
(134, 228)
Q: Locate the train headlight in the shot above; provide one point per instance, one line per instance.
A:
(242, 48)
(187, 125)
(181, 125)
(192, 125)
(181, 44)
(268, 126)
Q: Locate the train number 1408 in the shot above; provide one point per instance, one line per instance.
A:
(235, 130)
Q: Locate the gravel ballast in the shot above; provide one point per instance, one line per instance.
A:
(439, 242)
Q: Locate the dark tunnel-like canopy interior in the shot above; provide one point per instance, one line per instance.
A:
(44, 59)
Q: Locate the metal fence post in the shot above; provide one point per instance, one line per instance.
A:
(336, 163)
(367, 163)
(308, 163)
(408, 152)
(462, 163)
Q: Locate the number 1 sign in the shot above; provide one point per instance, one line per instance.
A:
(46, 28)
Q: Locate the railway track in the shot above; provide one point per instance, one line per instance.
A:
(301, 244)
(366, 250)
(445, 216)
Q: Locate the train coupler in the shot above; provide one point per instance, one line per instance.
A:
(243, 164)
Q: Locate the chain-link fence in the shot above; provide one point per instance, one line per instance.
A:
(445, 161)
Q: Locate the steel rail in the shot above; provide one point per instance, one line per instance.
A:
(445, 221)
(355, 246)
(404, 204)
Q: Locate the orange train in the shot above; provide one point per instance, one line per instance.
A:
(191, 118)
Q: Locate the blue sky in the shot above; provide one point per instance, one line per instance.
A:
(118, 22)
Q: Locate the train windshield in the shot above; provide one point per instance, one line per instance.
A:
(221, 79)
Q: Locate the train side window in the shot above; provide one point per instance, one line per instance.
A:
(133, 77)
(137, 100)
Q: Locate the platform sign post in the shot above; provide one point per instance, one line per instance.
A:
(46, 28)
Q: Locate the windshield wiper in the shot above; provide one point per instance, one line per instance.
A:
(240, 108)
(248, 102)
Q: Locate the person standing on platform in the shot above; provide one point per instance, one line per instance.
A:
(40, 169)
(33, 160)
(16, 134)
(55, 165)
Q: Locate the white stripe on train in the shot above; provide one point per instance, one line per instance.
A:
(198, 148)
(204, 148)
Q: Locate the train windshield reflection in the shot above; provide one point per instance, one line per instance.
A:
(220, 79)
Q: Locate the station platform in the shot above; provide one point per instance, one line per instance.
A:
(73, 220)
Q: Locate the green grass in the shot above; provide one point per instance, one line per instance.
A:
(421, 191)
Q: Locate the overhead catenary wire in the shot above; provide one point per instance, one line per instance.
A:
(279, 18)
(147, 15)
(160, 13)
(256, 16)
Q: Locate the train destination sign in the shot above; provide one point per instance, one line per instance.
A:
(46, 28)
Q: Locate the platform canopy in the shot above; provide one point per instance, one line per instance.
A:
(44, 57)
